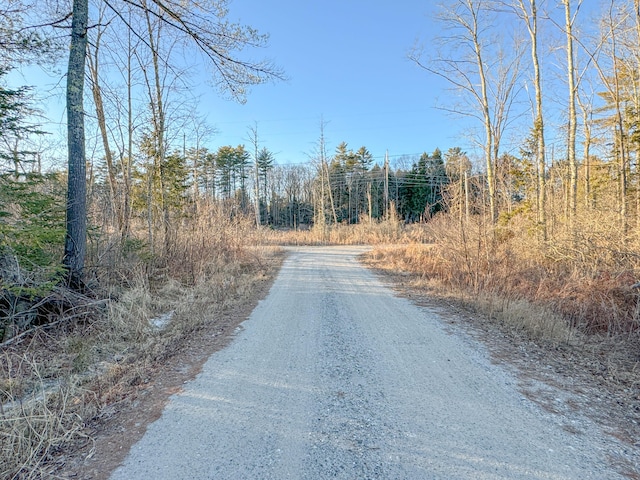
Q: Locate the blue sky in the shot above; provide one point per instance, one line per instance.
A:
(347, 64)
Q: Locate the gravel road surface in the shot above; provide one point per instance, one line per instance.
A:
(333, 376)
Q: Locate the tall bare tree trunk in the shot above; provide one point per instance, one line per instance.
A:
(333, 207)
(636, 4)
(587, 160)
(126, 170)
(75, 245)
(571, 138)
(530, 17)
(253, 138)
(150, 235)
(539, 128)
(619, 127)
(486, 115)
(369, 203)
(96, 90)
(587, 120)
(386, 185)
(159, 116)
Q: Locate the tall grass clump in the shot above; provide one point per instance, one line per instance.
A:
(37, 427)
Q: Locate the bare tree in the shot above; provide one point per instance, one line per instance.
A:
(636, 9)
(325, 181)
(93, 61)
(585, 102)
(195, 21)
(578, 97)
(156, 91)
(122, 51)
(527, 11)
(610, 77)
(474, 63)
(201, 130)
(254, 140)
(573, 120)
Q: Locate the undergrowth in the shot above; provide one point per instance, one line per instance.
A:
(154, 294)
(583, 281)
(53, 381)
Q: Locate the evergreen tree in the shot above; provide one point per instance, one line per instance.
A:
(264, 164)
(15, 130)
(423, 187)
(32, 220)
(232, 165)
(224, 159)
(176, 181)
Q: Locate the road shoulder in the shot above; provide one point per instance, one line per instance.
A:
(122, 424)
(575, 382)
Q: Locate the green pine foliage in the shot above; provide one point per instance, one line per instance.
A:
(32, 220)
(422, 189)
(232, 165)
(176, 181)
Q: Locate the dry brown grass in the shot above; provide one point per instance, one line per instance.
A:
(54, 381)
(374, 233)
(37, 425)
(582, 281)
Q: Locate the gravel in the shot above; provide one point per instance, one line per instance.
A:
(333, 376)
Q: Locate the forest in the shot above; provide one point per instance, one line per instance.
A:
(537, 228)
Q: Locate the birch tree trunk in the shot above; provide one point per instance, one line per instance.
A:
(571, 138)
(488, 125)
(529, 14)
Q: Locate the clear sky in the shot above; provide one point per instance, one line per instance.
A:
(347, 64)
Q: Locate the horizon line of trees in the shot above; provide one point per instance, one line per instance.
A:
(279, 195)
(347, 187)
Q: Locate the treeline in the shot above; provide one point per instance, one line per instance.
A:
(348, 188)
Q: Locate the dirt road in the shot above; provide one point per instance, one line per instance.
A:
(333, 376)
